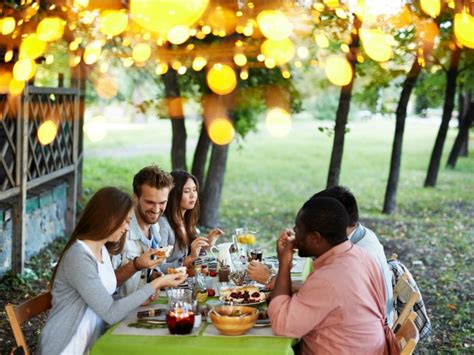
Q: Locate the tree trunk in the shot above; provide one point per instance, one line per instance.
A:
(175, 111)
(392, 184)
(462, 136)
(200, 156)
(343, 112)
(464, 100)
(448, 107)
(211, 197)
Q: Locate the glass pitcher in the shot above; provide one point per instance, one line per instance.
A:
(180, 315)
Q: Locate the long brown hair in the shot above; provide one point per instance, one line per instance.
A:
(102, 216)
(173, 209)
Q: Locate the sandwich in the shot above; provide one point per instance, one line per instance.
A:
(178, 270)
(164, 252)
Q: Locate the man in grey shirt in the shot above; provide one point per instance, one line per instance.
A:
(151, 187)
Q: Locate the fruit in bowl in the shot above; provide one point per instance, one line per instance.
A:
(234, 320)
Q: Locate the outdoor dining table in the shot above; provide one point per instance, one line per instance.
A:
(117, 344)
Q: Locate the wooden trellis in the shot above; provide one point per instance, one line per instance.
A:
(26, 164)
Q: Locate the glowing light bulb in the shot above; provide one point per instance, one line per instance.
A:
(338, 70)
(47, 131)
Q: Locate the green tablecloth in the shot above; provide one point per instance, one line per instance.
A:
(132, 344)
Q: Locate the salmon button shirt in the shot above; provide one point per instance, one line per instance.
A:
(340, 309)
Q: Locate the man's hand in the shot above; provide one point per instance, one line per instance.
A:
(258, 272)
(145, 260)
(285, 246)
(151, 298)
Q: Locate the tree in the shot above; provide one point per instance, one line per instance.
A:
(450, 93)
(462, 136)
(343, 111)
(390, 201)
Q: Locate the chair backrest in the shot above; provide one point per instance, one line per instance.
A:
(407, 337)
(407, 294)
(17, 315)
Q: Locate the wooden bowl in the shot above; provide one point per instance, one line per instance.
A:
(234, 320)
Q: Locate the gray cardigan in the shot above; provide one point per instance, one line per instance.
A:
(168, 237)
(77, 286)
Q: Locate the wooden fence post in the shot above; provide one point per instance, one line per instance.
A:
(18, 242)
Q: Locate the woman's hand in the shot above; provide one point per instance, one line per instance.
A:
(258, 272)
(197, 245)
(213, 235)
(169, 280)
(145, 260)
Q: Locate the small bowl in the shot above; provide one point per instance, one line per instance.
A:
(234, 320)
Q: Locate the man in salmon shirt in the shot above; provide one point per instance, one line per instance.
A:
(340, 309)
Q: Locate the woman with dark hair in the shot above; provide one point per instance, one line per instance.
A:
(178, 225)
(84, 279)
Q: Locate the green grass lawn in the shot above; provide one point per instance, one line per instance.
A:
(268, 179)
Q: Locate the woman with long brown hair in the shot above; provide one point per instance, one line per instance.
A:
(84, 279)
(178, 225)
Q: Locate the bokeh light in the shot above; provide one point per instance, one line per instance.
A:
(278, 122)
(178, 34)
(141, 52)
(464, 29)
(162, 15)
(92, 52)
(281, 51)
(113, 22)
(31, 47)
(7, 25)
(221, 131)
(338, 70)
(431, 7)
(96, 128)
(24, 69)
(274, 24)
(376, 44)
(50, 29)
(221, 79)
(47, 131)
(199, 63)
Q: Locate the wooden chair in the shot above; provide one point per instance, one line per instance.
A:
(408, 336)
(17, 315)
(404, 291)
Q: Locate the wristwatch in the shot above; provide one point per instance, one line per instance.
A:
(270, 278)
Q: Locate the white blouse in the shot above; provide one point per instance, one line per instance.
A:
(92, 326)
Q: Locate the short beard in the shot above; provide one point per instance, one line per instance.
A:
(145, 218)
(304, 254)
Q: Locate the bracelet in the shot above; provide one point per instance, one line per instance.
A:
(135, 264)
(270, 278)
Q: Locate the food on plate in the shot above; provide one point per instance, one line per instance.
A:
(178, 270)
(164, 252)
(242, 295)
(211, 292)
